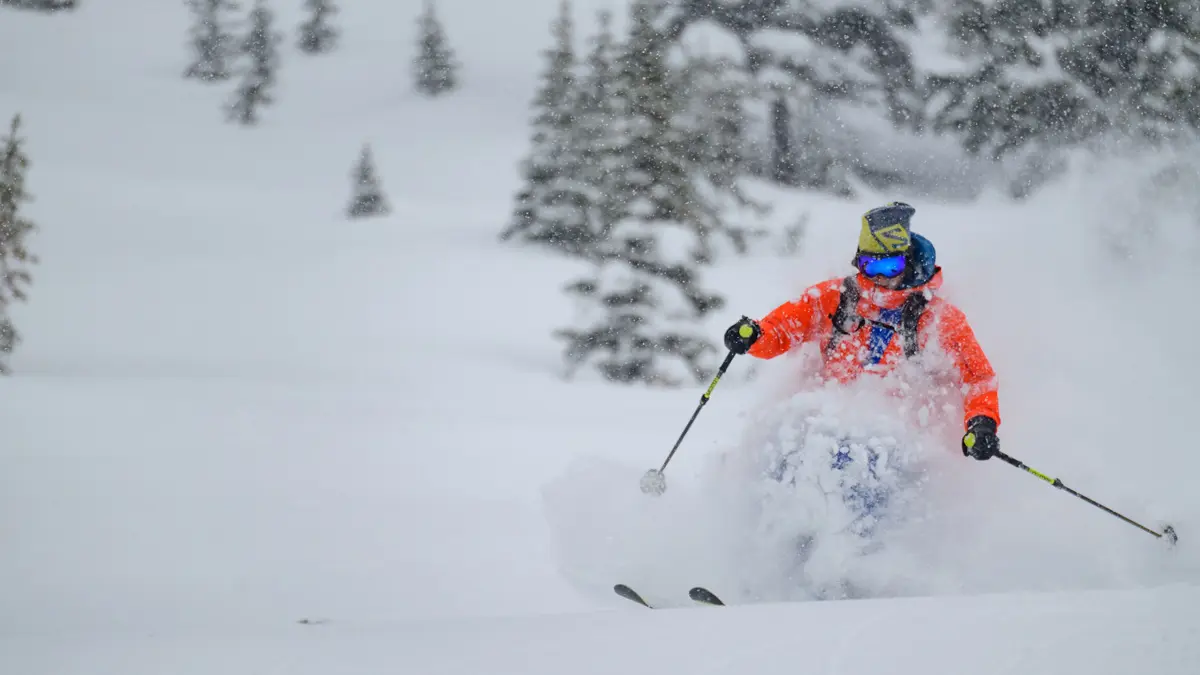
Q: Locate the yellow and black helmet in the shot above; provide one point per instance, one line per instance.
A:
(886, 230)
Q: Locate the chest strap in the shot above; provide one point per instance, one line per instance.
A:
(846, 320)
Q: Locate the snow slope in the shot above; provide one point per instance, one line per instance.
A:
(1099, 632)
(234, 409)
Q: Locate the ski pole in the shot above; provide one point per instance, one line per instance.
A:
(1168, 531)
(653, 481)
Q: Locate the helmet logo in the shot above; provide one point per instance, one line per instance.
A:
(893, 237)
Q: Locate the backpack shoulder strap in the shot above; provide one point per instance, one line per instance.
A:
(910, 316)
(844, 318)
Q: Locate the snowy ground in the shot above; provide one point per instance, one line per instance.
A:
(234, 410)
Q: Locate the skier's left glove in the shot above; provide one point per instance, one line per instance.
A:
(980, 441)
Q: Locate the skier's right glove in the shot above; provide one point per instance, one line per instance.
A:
(741, 335)
(980, 440)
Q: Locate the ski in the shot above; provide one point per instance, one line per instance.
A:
(698, 594)
(705, 597)
(630, 594)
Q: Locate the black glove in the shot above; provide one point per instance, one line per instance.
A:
(741, 335)
(980, 441)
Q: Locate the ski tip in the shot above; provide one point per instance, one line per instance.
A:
(703, 595)
(630, 594)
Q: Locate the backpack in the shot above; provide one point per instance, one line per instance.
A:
(845, 321)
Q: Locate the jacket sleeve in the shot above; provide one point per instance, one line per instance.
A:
(796, 321)
(981, 392)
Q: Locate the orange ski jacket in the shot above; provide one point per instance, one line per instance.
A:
(874, 345)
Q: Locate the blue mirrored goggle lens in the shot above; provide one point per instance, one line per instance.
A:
(886, 267)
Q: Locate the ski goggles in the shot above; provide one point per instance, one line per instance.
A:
(876, 266)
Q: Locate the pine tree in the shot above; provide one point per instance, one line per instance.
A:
(783, 150)
(717, 119)
(211, 41)
(656, 145)
(41, 5)
(714, 121)
(552, 208)
(809, 160)
(849, 50)
(435, 68)
(638, 319)
(994, 107)
(642, 306)
(597, 131)
(14, 257)
(1047, 74)
(260, 47)
(368, 199)
(316, 35)
(1138, 63)
(849, 60)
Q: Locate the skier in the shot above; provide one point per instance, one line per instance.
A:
(868, 323)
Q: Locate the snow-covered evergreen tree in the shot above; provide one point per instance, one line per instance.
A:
(638, 319)
(1048, 74)
(783, 145)
(1008, 97)
(41, 5)
(597, 130)
(643, 305)
(260, 49)
(14, 228)
(656, 177)
(552, 208)
(815, 164)
(435, 68)
(716, 95)
(848, 61)
(212, 43)
(316, 35)
(715, 120)
(368, 199)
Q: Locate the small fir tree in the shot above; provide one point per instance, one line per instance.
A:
(435, 68)
(368, 199)
(643, 306)
(714, 122)
(260, 48)
(656, 169)
(716, 118)
(316, 35)
(639, 315)
(14, 228)
(552, 208)
(212, 44)
(597, 131)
